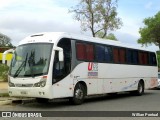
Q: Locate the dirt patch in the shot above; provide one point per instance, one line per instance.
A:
(3, 85)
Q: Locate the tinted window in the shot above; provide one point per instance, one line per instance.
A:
(129, 56)
(122, 55)
(108, 54)
(95, 52)
(81, 51)
(152, 59)
(145, 58)
(116, 55)
(100, 52)
(90, 52)
(134, 57)
(140, 55)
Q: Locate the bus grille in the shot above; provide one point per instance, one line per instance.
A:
(24, 85)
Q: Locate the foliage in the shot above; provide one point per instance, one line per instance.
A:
(110, 36)
(5, 41)
(150, 33)
(4, 72)
(158, 58)
(4, 95)
(97, 16)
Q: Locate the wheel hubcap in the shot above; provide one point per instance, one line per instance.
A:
(79, 94)
(140, 88)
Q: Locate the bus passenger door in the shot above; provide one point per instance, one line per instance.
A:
(61, 70)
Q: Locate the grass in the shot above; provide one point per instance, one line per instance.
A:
(4, 95)
(4, 72)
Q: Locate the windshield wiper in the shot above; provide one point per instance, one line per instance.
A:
(20, 67)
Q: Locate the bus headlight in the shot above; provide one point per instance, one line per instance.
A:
(10, 83)
(41, 83)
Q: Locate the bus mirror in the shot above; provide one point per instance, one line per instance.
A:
(60, 55)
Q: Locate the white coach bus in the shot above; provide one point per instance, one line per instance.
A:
(62, 65)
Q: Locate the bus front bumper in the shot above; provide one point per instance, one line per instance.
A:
(30, 92)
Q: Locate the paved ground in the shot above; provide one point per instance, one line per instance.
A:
(121, 102)
(3, 85)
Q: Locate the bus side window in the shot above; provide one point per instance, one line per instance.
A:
(100, 53)
(152, 59)
(116, 55)
(108, 54)
(122, 55)
(135, 57)
(81, 51)
(129, 56)
(90, 52)
(146, 58)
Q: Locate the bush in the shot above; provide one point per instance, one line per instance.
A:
(4, 72)
(158, 59)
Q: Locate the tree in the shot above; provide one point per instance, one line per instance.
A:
(150, 33)
(97, 16)
(110, 36)
(158, 58)
(5, 41)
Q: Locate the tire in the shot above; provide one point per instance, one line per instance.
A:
(79, 95)
(42, 100)
(140, 89)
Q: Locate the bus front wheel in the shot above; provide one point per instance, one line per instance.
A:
(79, 95)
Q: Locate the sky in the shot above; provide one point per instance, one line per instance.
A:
(20, 18)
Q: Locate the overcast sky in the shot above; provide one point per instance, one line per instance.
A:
(20, 18)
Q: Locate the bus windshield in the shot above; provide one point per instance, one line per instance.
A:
(31, 60)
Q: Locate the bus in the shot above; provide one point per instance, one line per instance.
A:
(54, 65)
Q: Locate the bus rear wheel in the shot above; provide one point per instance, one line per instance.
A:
(79, 95)
(140, 89)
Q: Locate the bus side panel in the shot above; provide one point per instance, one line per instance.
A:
(81, 73)
(121, 77)
(63, 88)
(103, 78)
(116, 78)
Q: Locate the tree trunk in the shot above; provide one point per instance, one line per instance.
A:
(93, 33)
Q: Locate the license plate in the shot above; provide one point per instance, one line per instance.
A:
(23, 92)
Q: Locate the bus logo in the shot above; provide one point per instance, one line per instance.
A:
(90, 65)
(92, 70)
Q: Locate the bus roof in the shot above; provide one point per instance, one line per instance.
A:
(54, 37)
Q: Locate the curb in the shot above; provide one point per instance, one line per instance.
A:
(5, 102)
(8, 101)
